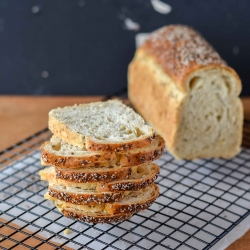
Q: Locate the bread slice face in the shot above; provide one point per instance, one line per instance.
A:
(137, 178)
(69, 176)
(101, 126)
(61, 154)
(214, 121)
(110, 212)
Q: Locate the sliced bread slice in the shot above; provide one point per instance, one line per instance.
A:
(142, 176)
(131, 203)
(101, 126)
(81, 196)
(61, 154)
(69, 176)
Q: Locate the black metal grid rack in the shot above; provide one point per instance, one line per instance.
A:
(199, 203)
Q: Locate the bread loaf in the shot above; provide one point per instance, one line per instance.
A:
(182, 87)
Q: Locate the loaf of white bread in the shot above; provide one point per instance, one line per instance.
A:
(183, 88)
(101, 162)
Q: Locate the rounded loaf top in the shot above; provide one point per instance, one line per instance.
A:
(179, 49)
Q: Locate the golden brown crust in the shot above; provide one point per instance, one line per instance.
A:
(126, 159)
(71, 177)
(160, 110)
(179, 50)
(85, 198)
(130, 184)
(109, 212)
(99, 159)
(91, 145)
(105, 175)
(95, 218)
(117, 208)
(133, 159)
(122, 206)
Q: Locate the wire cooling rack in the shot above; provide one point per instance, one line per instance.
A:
(199, 203)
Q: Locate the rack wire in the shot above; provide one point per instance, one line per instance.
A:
(199, 203)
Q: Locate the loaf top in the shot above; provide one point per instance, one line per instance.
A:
(180, 50)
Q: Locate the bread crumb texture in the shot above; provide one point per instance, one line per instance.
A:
(110, 121)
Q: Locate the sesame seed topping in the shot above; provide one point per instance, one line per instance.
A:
(178, 47)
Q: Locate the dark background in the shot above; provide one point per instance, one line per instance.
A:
(71, 47)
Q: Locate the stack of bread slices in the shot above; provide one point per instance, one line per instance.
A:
(100, 158)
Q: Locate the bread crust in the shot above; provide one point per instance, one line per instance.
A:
(119, 207)
(130, 184)
(85, 198)
(125, 208)
(110, 158)
(180, 50)
(99, 159)
(95, 218)
(144, 155)
(64, 175)
(93, 145)
(120, 173)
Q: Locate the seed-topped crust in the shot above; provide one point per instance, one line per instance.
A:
(140, 177)
(133, 207)
(178, 50)
(132, 157)
(143, 155)
(93, 145)
(133, 183)
(85, 198)
(105, 175)
(95, 218)
(130, 204)
(83, 178)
